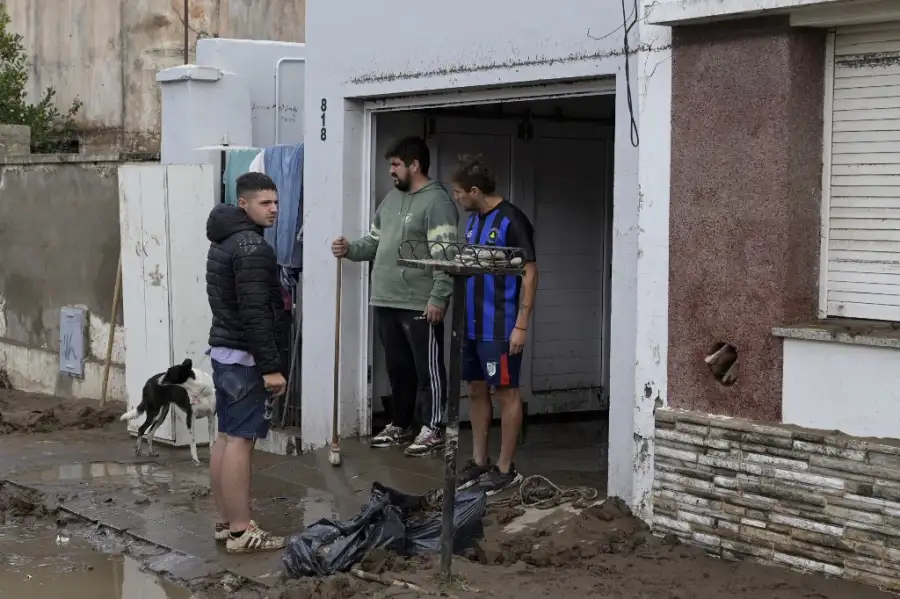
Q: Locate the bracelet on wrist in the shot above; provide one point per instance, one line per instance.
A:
(521, 329)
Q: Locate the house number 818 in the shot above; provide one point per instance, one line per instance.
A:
(323, 134)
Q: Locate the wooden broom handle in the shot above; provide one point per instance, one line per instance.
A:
(337, 353)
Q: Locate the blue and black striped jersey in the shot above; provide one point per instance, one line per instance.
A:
(492, 301)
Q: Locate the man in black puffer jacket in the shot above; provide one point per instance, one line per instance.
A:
(245, 299)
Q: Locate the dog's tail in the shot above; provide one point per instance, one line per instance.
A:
(145, 401)
(132, 414)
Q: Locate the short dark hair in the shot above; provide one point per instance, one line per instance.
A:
(409, 149)
(471, 171)
(248, 184)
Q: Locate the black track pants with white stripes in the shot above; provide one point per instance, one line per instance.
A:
(414, 354)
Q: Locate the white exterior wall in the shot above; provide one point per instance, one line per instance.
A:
(256, 62)
(382, 54)
(848, 387)
(649, 382)
(202, 106)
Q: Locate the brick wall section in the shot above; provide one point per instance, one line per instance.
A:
(806, 499)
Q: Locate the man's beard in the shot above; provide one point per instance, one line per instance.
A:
(401, 184)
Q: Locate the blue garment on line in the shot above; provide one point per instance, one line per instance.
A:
(284, 163)
(237, 162)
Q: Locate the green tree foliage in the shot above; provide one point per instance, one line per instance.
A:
(51, 130)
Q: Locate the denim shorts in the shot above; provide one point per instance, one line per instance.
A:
(243, 406)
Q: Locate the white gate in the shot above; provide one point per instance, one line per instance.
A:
(162, 220)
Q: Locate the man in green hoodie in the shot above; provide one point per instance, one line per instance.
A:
(410, 303)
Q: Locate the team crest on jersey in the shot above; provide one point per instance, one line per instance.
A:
(492, 236)
(491, 368)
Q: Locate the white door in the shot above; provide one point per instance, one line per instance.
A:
(162, 213)
(572, 215)
(144, 224)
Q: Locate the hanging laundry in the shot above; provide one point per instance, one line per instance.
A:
(237, 162)
(259, 164)
(284, 163)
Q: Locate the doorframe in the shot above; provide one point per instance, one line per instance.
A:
(599, 86)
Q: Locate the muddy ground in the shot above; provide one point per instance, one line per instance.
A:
(34, 413)
(602, 551)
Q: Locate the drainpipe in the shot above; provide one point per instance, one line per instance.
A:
(186, 31)
(278, 93)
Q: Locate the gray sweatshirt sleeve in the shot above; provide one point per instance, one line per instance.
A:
(364, 248)
(442, 223)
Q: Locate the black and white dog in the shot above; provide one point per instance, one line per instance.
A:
(187, 388)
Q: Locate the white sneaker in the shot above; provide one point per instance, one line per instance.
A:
(254, 539)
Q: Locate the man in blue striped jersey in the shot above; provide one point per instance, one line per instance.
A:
(498, 309)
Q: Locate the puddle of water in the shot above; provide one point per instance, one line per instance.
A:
(148, 477)
(34, 564)
(92, 470)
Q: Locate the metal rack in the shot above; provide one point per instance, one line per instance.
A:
(460, 261)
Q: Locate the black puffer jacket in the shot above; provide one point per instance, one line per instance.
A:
(242, 287)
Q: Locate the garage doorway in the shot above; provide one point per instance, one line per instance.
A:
(552, 158)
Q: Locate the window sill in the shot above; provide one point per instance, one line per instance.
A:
(840, 330)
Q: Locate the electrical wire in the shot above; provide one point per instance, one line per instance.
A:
(628, 26)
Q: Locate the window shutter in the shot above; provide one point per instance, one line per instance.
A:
(862, 175)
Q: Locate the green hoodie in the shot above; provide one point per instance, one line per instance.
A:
(426, 214)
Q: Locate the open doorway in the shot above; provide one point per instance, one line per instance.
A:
(553, 159)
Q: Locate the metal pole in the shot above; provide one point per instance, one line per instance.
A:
(223, 158)
(187, 42)
(451, 436)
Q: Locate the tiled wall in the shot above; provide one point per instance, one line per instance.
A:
(778, 494)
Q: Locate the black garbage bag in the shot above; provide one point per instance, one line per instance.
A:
(391, 520)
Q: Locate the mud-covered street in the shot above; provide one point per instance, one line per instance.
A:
(82, 516)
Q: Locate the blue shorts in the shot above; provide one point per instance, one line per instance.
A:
(243, 406)
(491, 361)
